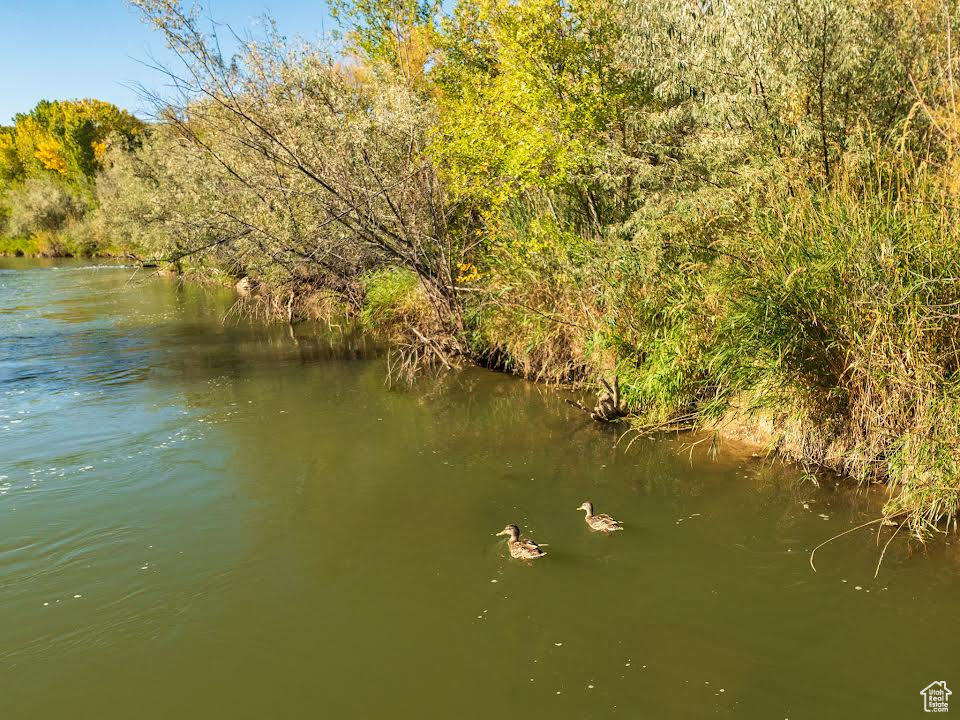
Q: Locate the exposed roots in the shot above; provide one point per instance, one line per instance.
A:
(407, 358)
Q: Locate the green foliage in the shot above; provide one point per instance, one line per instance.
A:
(41, 204)
(399, 34)
(531, 96)
(388, 294)
(842, 308)
(731, 205)
(49, 160)
(19, 246)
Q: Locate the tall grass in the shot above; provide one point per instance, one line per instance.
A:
(832, 314)
(845, 313)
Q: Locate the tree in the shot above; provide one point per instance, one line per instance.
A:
(397, 33)
(67, 139)
(317, 164)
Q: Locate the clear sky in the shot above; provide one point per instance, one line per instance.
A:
(65, 49)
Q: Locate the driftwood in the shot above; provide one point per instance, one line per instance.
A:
(608, 407)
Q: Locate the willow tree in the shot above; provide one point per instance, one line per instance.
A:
(319, 162)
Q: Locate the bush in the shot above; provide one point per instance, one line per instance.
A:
(842, 307)
(41, 205)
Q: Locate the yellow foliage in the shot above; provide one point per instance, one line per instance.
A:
(468, 273)
(50, 154)
(66, 137)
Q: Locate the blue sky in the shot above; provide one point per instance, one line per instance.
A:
(64, 49)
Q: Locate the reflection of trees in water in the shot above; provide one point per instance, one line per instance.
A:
(341, 412)
(203, 349)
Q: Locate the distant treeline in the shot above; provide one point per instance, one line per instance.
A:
(747, 210)
(49, 161)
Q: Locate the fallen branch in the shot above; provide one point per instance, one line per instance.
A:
(609, 407)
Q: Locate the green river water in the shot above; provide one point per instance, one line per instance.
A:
(208, 518)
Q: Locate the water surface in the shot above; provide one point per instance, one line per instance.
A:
(207, 518)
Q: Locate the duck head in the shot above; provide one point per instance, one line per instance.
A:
(512, 530)
(586, 506)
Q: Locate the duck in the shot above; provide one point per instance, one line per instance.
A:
(521, 549)
(602, 523)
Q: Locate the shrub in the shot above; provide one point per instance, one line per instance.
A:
(41, 204)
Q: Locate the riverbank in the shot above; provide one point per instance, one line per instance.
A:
(57, 245)
(772, 410)
(823, 331)
(577, 193)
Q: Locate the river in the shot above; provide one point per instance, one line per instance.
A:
(206, 517)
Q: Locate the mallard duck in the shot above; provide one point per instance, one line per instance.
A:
(603, 523)
(521, 549)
